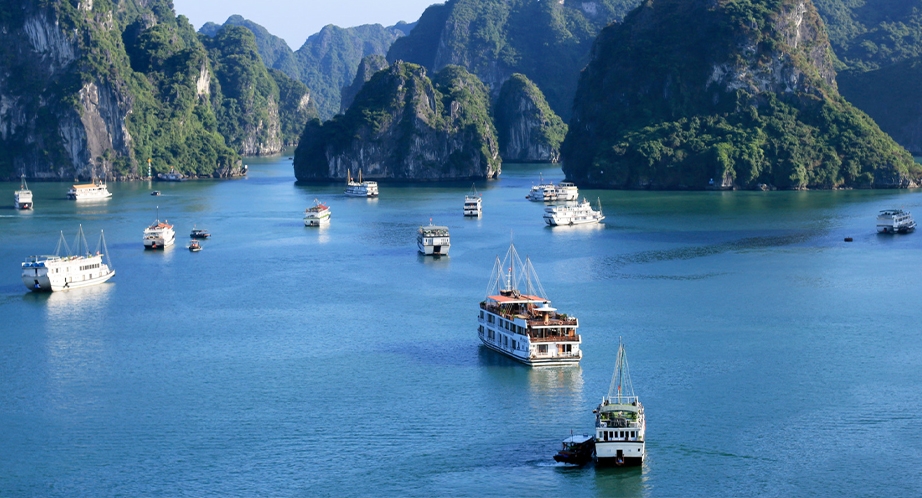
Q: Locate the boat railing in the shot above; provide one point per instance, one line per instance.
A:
(555, 338)
(540, 322)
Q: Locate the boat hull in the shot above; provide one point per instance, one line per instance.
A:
(554, 222)
(619, 453)
(441, 250)
(159, 243)
(534, 362)
(317, 221)
(23, 205)
(43, 283)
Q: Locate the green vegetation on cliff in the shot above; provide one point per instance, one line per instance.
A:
(527, 128)
(547, 41)
(404, 125)
(326, 62)
(687, 92)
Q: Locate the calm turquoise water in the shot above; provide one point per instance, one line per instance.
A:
(773, 358)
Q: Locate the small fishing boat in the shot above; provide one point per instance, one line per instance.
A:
(194, 245)
(577, 450)
(155, 193)
(199, 233)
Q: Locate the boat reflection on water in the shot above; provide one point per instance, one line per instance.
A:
(621, 481)
(566, 382)
(62, 307)
(434, 260)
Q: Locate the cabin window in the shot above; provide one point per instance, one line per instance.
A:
(567, 348)
(542, 349)
(481, 315)
(515, 345)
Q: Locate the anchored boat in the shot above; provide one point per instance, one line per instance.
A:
(159, 235)
(573, 213)
(80, 269)
(619, 420)
(895, 221)
(519, 322)
(89, 191)
(433, 240)
(316, 215)
(23, 196)
(360, 188)
(473, 203)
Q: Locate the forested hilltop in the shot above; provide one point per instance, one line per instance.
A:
(326, 62)
(405, 125)
(548, 42)
(740, 92)
(94, 89)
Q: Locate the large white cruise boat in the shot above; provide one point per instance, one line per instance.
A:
(895, 221)
(23, 196)
(518, 321)
(567, 191)
(159, 235)
(433, 240)
(573, 213)
(619, 421)
(473, 203)
(82, 269)
(543, 192)
(360, 188)
(89, 191)
(316, 215)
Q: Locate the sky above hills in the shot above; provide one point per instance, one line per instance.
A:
(295, 20)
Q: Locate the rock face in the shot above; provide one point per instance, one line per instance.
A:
(370, 65)
(527, 128)
(547, 41)
(696, 94)
(402, 125)
(328, 59)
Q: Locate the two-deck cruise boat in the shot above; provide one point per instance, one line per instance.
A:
(573, 213)
(23, 196)
(316, 215)
(567, 191)
(895, 221)
(472, 203)
(543, 192)
(433, 240)
(519, 322)
(89, 191)
(619, 420)
(81, 269)
(360, 188)
(159, 235)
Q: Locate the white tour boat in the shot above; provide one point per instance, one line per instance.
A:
(543, 192)
(895, 221)
(573, 213)
(360, 188)
(433, 240)
(473, 203)
(519, 322)
(567, 191)
(619, 421)
(82, 269)
(159, 235)
(23, 196)
(316, 215)
(89, 191)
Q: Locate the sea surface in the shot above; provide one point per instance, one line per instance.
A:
(773, 358)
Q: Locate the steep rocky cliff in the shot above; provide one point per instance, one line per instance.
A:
(726, 93)
(404, 125)
(327, 60)
(527, 128)
(370, 65)
(92, 89)
(547, 41)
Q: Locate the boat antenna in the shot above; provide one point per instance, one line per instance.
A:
(621, 386)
